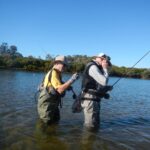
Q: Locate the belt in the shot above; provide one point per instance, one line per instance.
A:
(90, 99)
(94, 92)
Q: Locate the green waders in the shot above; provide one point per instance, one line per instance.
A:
(48, 106)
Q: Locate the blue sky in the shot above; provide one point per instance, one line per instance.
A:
(120, 28)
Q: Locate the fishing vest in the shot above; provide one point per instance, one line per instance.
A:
(88, 82)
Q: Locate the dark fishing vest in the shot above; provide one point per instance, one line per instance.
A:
(88, 82)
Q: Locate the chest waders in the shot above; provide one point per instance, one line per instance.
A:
(48, 103)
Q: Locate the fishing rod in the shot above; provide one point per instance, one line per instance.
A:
(132, 67)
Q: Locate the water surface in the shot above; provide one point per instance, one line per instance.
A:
(125, 121)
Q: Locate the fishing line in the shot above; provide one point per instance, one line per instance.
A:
(132, 67)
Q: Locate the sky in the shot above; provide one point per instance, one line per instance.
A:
(119, 28)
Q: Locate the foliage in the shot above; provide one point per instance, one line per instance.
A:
(10, 52)
(11, 58)
(146, 74)
(118, 71)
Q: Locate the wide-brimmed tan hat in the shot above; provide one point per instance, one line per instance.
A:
(61, 59)
(103, 55)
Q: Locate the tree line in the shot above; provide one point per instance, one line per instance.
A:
(10, 58)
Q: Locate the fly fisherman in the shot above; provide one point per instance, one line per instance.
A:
(52, 90)
(94, 87)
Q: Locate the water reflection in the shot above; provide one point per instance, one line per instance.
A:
(95, 140)
(47, 137)
(88, 139)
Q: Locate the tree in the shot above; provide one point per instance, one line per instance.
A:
(146, 74)
(49, 57)
(3, 48)
(13, 50)
(2, 63)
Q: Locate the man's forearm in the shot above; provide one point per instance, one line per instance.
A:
(98, 76)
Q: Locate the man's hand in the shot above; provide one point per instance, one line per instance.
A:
(74, 77)
(69, 88)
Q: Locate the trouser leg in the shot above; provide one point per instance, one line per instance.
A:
(91, 111)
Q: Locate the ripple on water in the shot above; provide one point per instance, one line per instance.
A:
(125, 122)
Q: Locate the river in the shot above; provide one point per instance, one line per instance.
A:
(125, 117)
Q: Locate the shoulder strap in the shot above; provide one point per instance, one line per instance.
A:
(50, 76)
(91, 64)
(98, 66)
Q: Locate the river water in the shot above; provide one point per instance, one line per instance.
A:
(125, 117)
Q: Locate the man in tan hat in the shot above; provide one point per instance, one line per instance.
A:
(52, 90)
(94, 87)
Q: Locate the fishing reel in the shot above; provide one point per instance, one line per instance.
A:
(106, 96)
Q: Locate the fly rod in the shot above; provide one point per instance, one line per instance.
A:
(132, 66)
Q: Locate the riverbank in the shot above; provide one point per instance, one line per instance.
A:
(134, 74)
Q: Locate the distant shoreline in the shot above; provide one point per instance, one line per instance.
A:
(11, 59)
(42, 71)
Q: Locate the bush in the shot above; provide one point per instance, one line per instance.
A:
(146, 74)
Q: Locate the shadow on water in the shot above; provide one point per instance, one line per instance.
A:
(56, 137)
(47, 137)
(108, 137)
(121, 133)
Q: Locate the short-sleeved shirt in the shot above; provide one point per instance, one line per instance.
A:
(55, 79)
